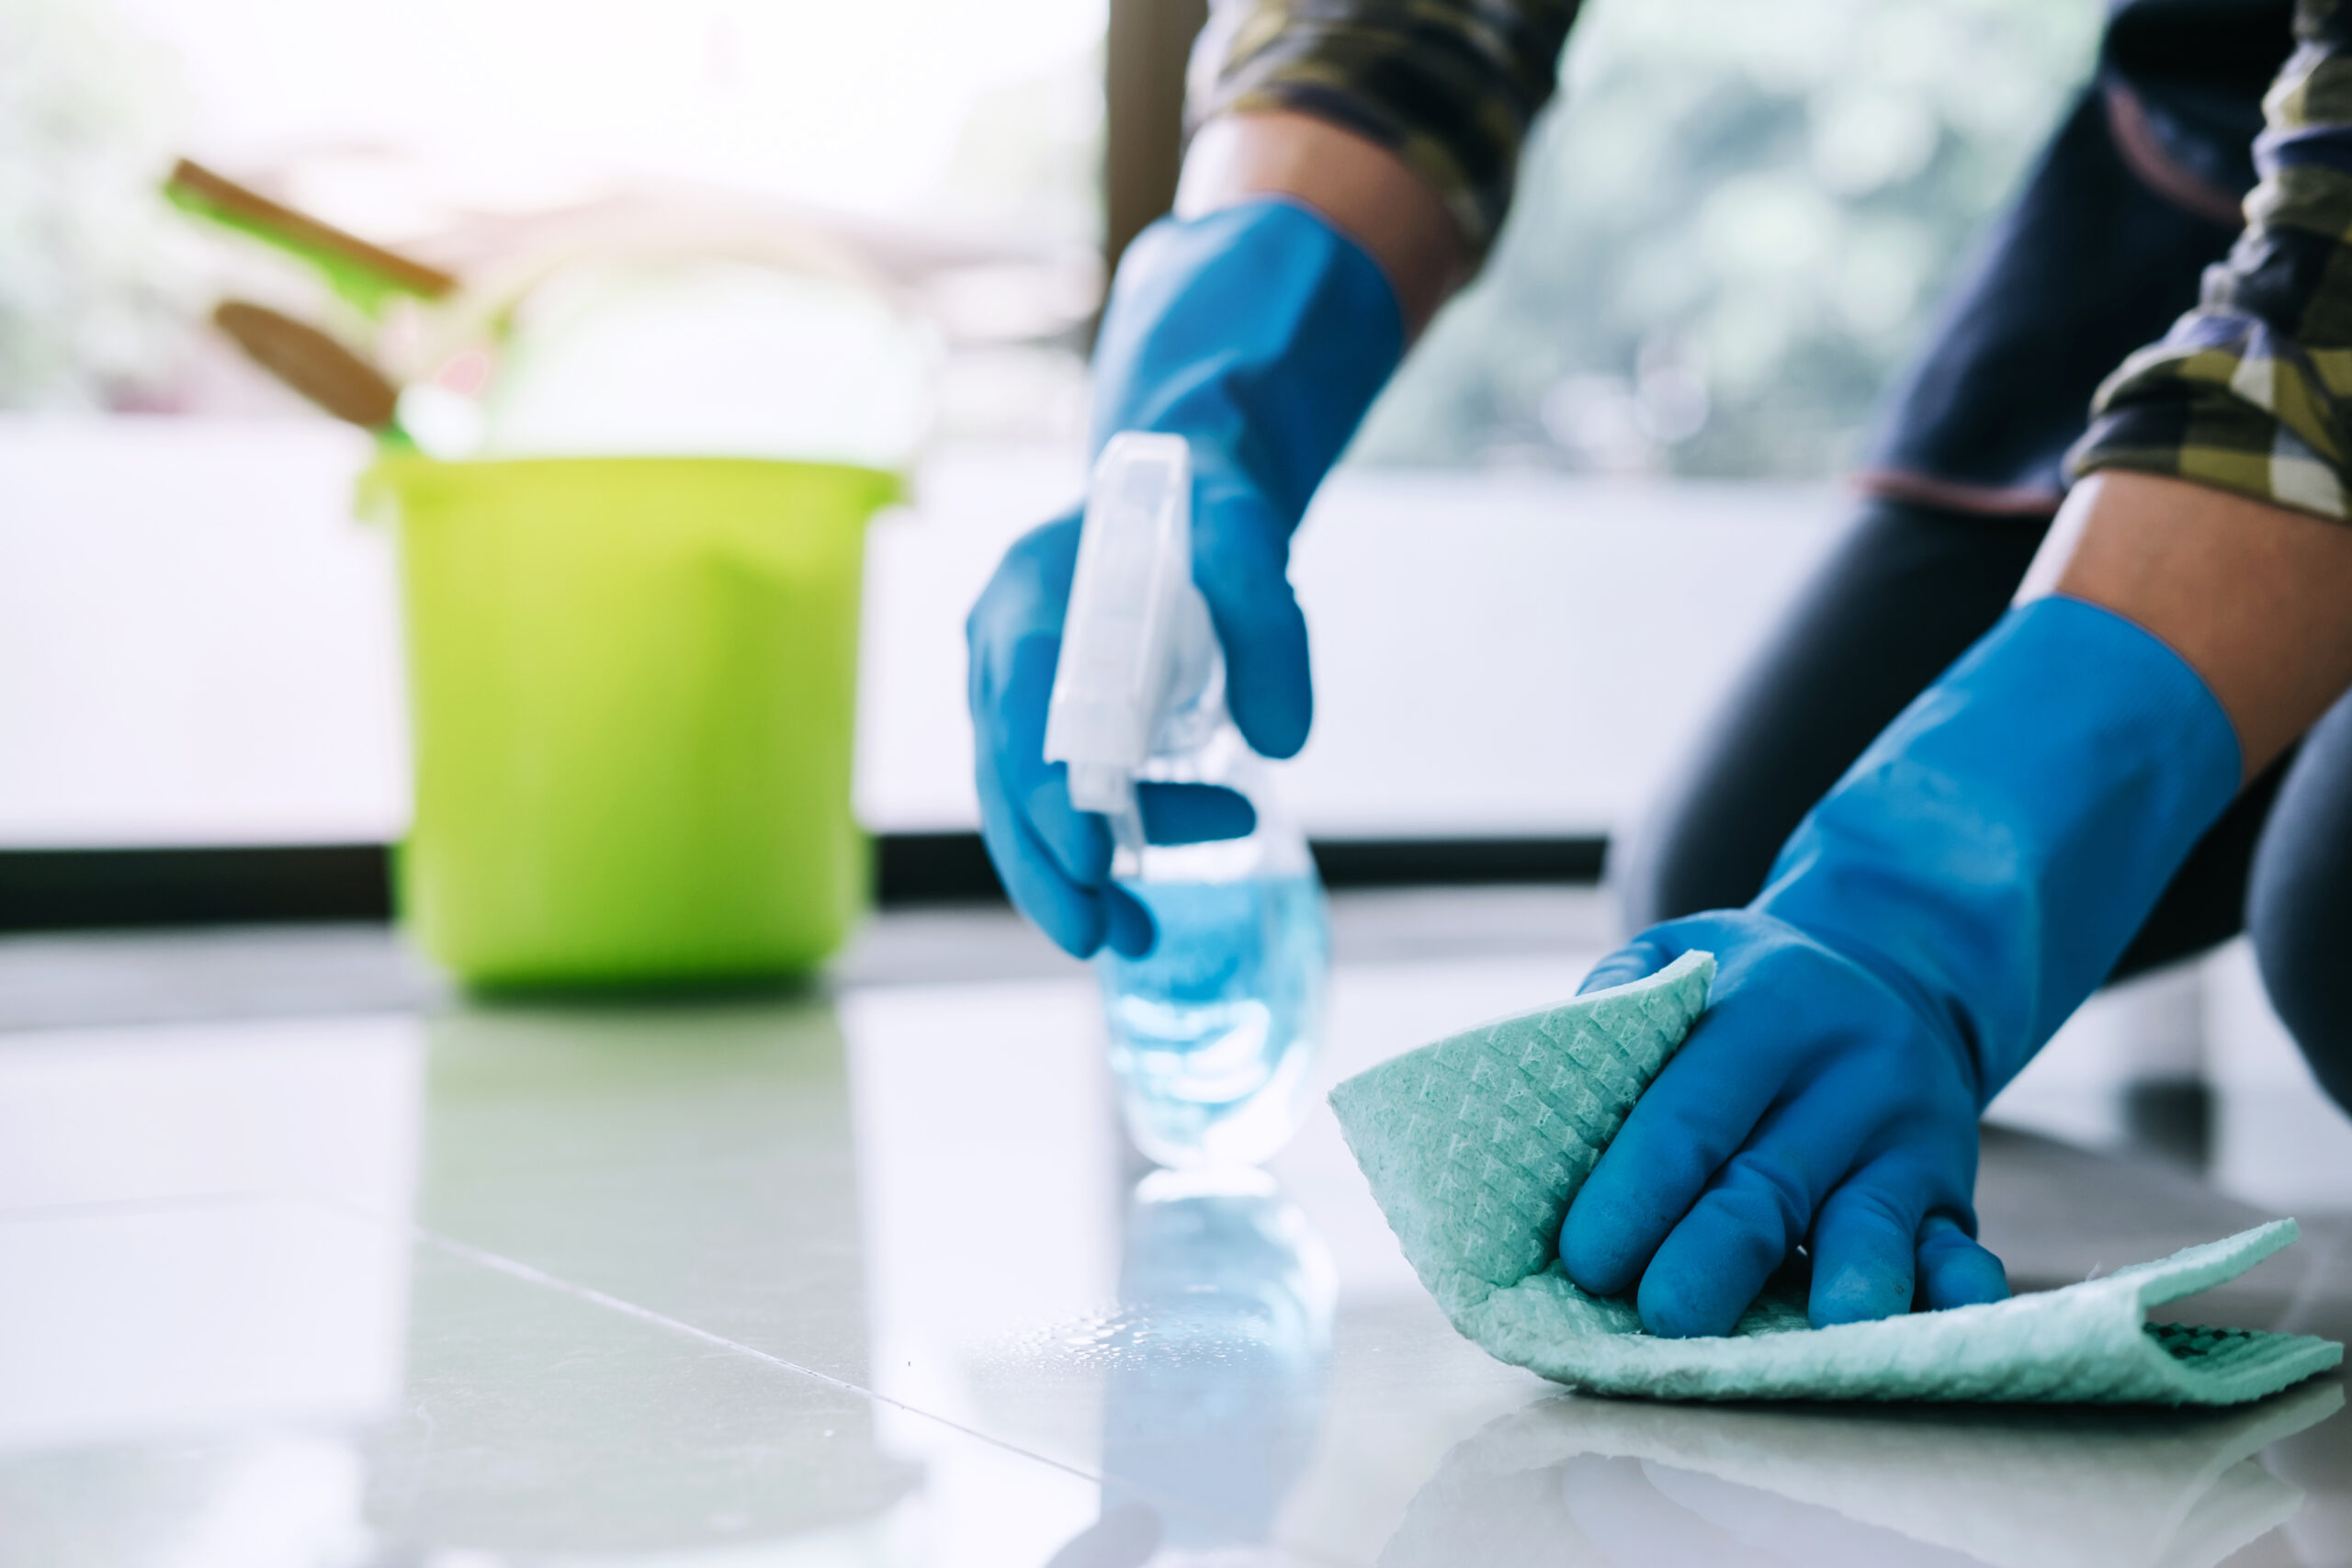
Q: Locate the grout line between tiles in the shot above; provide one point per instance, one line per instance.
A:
(516, 1268)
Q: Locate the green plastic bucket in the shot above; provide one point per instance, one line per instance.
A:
(632, 691)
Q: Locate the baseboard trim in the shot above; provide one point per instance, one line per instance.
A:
(70, 889)
(244, 885)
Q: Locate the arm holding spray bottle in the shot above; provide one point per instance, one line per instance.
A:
(1123, 801)
(1258, 326)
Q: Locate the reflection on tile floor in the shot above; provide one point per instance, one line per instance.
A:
(870, 1278)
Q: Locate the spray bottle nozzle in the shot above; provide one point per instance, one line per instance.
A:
(1133, 620)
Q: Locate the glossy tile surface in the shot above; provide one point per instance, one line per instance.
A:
(868, 1277)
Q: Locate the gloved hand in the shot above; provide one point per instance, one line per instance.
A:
(1926, 928)
(1259, 333)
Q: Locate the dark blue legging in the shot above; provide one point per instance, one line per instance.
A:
(1905, 591)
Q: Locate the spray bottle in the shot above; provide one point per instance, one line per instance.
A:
(1214, 1032)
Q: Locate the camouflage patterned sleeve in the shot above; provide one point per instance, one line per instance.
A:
(1449, 85)
(2252, 390)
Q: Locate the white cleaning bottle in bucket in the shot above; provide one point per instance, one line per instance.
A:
(1214, 1032)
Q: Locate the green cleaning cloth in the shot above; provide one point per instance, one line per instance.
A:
(1475, 1144)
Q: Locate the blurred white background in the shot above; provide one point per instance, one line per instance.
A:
(197, 642)
(1588, 495)
(198, 645)
(510, 103)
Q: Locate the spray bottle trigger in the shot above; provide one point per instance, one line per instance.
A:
(1125, 622)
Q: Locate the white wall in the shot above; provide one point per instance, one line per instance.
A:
(195, 640)
(197, 644)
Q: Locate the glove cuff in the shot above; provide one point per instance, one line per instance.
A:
(2000, 844)
(1260, 331)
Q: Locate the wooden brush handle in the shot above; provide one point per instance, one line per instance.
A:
(312, 363)
(229, 197)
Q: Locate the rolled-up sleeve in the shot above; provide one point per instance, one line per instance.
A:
(1449, 85)
(2252, 390)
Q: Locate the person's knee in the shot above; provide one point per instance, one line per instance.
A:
(1901, 595)
(2299, 932)
(1632, 877)
(1684, 857)
(2299, 902)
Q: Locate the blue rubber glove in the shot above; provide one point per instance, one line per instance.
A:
(1260, 333)
(1928, 927)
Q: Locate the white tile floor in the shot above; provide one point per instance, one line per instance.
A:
(866, 1277)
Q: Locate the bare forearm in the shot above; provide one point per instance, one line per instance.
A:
(2257, 598)
(1365, 189)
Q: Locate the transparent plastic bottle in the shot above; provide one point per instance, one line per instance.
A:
(1214, 1033)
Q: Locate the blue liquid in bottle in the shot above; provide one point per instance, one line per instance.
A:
(1214, 1032)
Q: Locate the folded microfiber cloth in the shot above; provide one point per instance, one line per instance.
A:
(1473, 1146)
